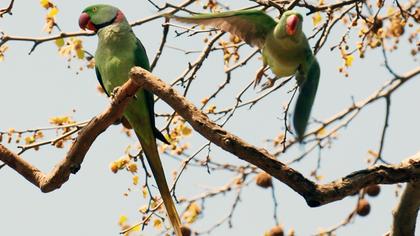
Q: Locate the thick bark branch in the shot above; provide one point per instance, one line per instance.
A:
(405, 214)
(314, 194)
(71, 163)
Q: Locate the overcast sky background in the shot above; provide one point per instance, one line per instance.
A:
(38, 86)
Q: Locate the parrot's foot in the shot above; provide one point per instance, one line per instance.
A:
(114, 92)
(259, 75)
(268, 84)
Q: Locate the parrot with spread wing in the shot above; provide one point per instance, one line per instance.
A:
(118, 51)
(284, 47)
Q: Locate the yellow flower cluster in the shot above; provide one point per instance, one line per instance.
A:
(192, 213)
(50, 17)
(61, 120)
(179, 131)
(230, 49)
(73, 45)
(123, 162)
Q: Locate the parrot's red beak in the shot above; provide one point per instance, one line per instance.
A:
(85, 23)
(291, 24)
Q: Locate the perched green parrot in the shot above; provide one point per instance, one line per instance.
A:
(118, 51)
(284, 48)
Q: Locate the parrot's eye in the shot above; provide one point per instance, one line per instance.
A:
(94, 9)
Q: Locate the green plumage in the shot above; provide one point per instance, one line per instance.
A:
(284, 48)
(118, 51)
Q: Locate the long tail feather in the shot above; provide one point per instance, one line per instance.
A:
(306, 99)
(152, 155)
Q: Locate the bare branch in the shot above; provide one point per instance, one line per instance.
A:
(71, 163)
(5, 38)
(384, 129)
(8, 9)
(162, 44)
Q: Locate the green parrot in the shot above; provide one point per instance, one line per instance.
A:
(118, 51)
(284, 48)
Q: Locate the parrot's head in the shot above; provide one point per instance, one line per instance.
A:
(99, 16)
(290, 23)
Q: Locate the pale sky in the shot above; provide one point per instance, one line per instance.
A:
(38, 86)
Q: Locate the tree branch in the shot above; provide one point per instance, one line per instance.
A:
(8, 9)
(314, 194)
(405, 214)
(37, 41)
(71, 163)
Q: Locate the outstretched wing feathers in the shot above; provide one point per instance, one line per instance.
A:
(252, 26)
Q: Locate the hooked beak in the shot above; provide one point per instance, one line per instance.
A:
(291, 24)
(85, 23)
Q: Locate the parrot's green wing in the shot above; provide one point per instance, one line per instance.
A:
(99, 77)
(252, 26)
(141, 60)
(308, 84)
(149, 96)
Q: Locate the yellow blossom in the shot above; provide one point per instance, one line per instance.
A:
(132, 167)
(60, 120)
(186, 130)
(348, 60)
(122, 220)
(46, 4)
(29, 139)
(192, 212)
(316, 18)
(135, 180)
(157, 223)
(143, 209)
(52, 12)
(144, 191)
(49, 24)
